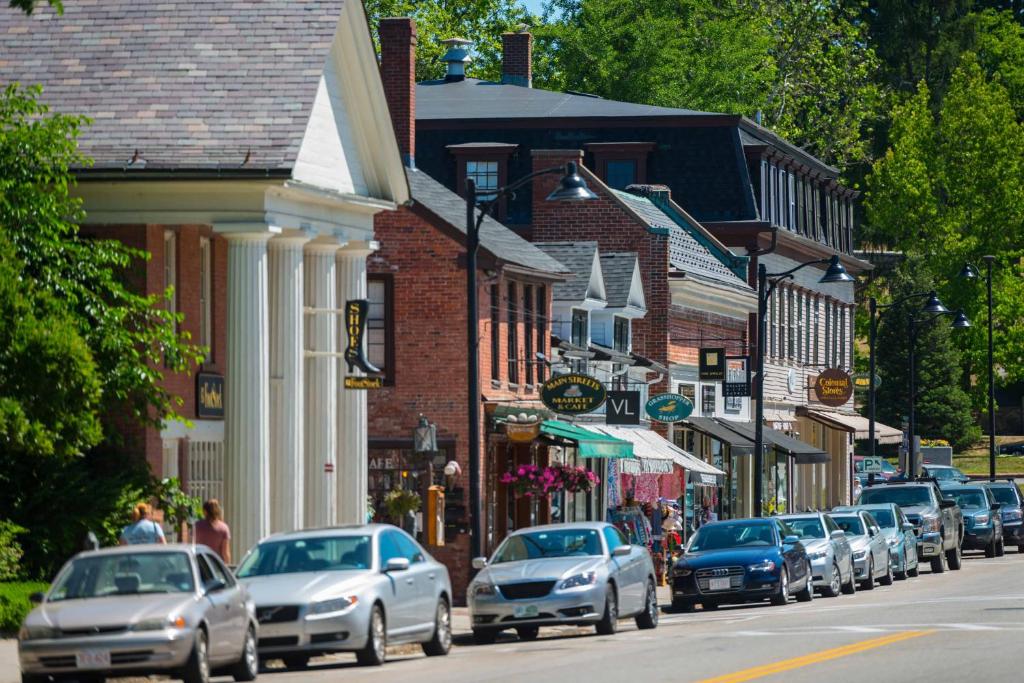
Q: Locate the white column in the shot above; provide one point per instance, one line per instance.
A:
(247, 392)
(321, 384)
(287, 340)
(353, 455)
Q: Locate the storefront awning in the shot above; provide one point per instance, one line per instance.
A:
(655, 452)
(855, 424)
(591, 444)
(802, 453)
(740, 445)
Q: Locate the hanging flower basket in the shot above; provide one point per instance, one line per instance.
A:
(531, 480)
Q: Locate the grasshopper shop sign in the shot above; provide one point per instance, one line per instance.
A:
(669, 408)
(573, 394)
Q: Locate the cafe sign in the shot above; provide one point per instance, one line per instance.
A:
(669, 408)
(834, 387)
(573, 394)
(209, 396)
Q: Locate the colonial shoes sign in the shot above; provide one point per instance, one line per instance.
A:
(834, 387)
(573, 394)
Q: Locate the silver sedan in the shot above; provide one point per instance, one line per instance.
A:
(582, 573)
(139, 610)
(828, 550)
(871, 559)
(346, 589)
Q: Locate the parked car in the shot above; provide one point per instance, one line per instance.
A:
(742, 560)
(983, 525)
(355, 589)
(172, 610)
(899, 535)
(583, 573)
(870, 550)
(828, 550)
(1011, 510)
(945, 475)
(938, 522)
(1012, 448)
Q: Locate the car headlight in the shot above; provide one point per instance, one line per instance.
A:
(894, 541)
(37, 633)
(981, 519)
(585, 579)
(681, 570)
(817, 555)
(484, 589)
(930, 523)
(159, 624)
(860, 554)
(764, 566)
(332, 605)
(1013, 515)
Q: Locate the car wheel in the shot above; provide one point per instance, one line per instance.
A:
(954, 558)
(441, 640)
(484, 636)
(609, 623)
(781, 596)
(850, 588)
(990, 549)
(939, 563)
(916, 569)
(901, 574)
(868, 584)
(835, 584)
(886, 580)
(197, 668)
(295, 662)
(1001, 548)
(681, 605)
(806, 594)
(709, 605)
(649, 617)
(527, 633)
(248, 666)
(375, 651)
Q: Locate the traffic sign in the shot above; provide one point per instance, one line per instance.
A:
(872, 465)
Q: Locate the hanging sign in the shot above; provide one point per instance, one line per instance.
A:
(573, 393)
(737, 377)
(712, 364)
(357, 382)
(669, 408)
(521, 433)
(356, 312)
(862, 381)
(833, 387)
(622, 408)
(209, 396)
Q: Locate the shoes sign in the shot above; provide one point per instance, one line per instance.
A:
(356, 311)
(573, 394)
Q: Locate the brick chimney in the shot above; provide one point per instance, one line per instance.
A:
(398, 72)
(517, 58)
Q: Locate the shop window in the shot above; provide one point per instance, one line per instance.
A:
(690, 392)
(513, 335)
(495, 333)
(206, 296)
(528, 319)
(380, 333)
(708, 396)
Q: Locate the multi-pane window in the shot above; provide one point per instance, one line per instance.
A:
(791, 210)
(528, 331)
(542, 327)
(513, 335)
(580, 335)
(485, 175)
(800, 330)
(842, 337)
(619, 173)
(620, 335)
(206, 296)
(828, 334)
(817, 330)
(807, 329)
(708, 395)
(495, 333)
(378, 323)
(790, 325)
(171, 278)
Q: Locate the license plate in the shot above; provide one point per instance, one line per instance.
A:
(92, 659)
(523, 611)
(718, 584)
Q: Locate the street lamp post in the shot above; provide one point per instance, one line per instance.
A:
(766, 284)
(572, 187)
(970, 272)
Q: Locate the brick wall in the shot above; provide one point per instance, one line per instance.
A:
(517, 59)
(687, 326)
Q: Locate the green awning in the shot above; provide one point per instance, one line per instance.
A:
(591, 444)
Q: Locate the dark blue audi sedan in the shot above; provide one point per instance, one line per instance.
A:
(742, 560)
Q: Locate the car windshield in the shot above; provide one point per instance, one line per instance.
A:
(551, 543)
(887, 467)
(1004, 494)
(851, 524)
(904, 496)
(884, 517)
(971, 498)
(290, 556)
(723, 536)
(944, 473)
(806, 527)
(99, 576)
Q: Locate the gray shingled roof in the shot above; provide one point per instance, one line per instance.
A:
(475, 99)
(617, 268)
(685, 253)
(189, 84)
(578, 257)
(499, 240)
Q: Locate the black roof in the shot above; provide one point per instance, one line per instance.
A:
(618, 268)
(497, 239)
(578, 257)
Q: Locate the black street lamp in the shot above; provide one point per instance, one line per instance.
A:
(766, 284)
(572, 187)
(969, 272)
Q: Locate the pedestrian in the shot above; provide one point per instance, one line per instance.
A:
(142, 529)
(212, 532)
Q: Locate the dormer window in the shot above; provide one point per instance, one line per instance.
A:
(620, 164)
(487, 164)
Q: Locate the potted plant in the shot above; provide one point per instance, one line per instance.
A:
(400, 505)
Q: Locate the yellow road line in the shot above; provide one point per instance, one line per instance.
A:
(823, 656)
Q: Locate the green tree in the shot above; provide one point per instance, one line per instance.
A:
(28, 6)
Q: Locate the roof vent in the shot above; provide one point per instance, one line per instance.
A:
(456, 58)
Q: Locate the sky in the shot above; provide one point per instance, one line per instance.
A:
(535, 6)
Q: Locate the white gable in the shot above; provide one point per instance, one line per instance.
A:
(636, 297)
(595, 287)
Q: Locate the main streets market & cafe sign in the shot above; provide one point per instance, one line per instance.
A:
(573, 394)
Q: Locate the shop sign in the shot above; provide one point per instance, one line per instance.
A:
(834, 387)
(573, 394)
(669, 408)
(521, 433)
(357, 382)
(622, 408)
(862, 381)
(209, 396)
(356, 311)
(737, 377)
(712, 364)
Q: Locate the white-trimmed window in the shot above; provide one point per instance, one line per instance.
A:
(206, 296)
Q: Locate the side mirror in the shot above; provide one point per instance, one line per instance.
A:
(397, 564)
(995, 506)
(837, 535)
(790, 540)
(622, 551)
(214, 586)
(945, 503)
(36, 598)
(479, 562)
(907, 526)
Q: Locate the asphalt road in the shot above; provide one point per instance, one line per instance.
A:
(963, 625)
